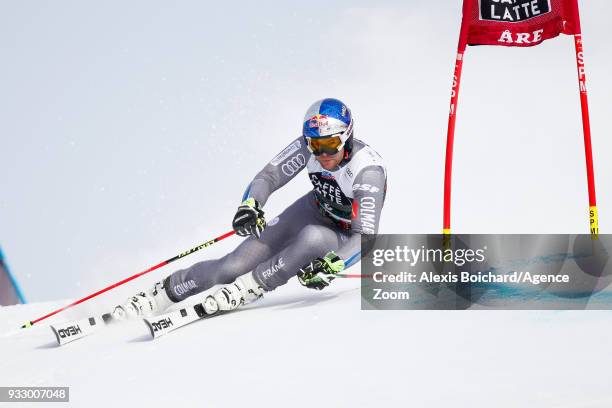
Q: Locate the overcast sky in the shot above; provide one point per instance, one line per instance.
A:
(129, 129)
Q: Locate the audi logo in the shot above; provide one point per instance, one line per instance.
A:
(295, 164)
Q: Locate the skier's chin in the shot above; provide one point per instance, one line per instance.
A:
(329, 162)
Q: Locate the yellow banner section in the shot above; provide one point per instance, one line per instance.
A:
(594, 220)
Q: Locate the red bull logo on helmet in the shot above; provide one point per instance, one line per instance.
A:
(323, 126)
(318, 121)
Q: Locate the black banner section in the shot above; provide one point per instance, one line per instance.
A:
(512, 11)
(504, 272)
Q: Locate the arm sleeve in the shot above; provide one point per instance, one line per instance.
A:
(369, 189)
(282, 168)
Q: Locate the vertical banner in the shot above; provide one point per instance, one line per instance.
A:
(519, 23)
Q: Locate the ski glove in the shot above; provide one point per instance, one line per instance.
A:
(320, 272)
(249, 219)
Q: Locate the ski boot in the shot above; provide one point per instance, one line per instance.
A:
(242, 291)
(144, 304)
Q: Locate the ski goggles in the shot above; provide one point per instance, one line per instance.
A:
(329, 145)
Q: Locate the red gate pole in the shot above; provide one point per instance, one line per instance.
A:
(450, 134)
(586, 126)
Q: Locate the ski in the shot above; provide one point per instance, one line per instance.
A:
(68, 332)
(168, 322)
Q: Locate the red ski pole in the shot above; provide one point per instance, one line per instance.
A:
(114, 285)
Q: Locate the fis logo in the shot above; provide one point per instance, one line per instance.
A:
(162, 324)
(513, 11)
(327, 175)
(69, 331)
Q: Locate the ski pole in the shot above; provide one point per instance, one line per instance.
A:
(355, 275)
(114, 285)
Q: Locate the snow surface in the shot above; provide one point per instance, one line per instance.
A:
(302, 348)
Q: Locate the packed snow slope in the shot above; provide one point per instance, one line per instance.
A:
(302, 348)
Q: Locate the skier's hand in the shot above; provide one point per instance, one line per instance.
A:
(321, 271)
(249, 219)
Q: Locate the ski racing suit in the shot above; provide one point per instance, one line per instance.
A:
(344, 203)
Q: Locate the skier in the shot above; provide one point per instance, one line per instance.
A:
(315, 238)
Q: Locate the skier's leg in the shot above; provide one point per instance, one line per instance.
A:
(204, 275)
(195, 279)
(316, 237)
(250, 253)
(313, 241)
